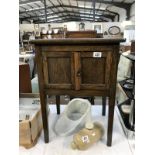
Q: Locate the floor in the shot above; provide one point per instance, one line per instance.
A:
(61, 145)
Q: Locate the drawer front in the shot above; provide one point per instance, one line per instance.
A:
(58, 70)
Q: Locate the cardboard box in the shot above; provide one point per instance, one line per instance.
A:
(30, 122)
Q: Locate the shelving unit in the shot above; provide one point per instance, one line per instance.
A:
(129, 93)
(127, 119)
(124, 116)
(128, 132)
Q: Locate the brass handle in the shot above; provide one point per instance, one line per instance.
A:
(78, 73)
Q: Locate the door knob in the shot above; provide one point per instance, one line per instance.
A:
(78, 73)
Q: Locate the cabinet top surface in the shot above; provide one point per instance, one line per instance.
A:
(77, 41)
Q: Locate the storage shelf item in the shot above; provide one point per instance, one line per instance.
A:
(124, 120)
(125, 113)
(128, 92)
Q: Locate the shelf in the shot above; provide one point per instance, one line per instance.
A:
(50, 36)
(128, 111)
(129, 93)
(130, 56)
(125, 116)
(25, 41)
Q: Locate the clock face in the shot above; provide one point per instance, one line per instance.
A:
(114, 30)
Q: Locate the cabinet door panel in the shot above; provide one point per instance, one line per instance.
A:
(58, 70)
(95, 72)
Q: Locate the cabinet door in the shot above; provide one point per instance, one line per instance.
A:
(95, 70)
(58, 70)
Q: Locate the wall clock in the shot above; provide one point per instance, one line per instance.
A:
(114, 30)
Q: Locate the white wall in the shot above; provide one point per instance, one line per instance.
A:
(26, 27)
(106, 25)
(72, 26)
(25, 22)
(52, 25)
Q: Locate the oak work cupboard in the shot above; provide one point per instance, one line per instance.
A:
(77, 67)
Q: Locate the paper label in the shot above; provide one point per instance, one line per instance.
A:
(97, 54)
(85, 139)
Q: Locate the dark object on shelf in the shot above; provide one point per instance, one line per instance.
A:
(99, 35)
(128, 86)
(105, 33)
(27, 117)
(26, 35)
(128, 92)
(43, 30)
(82, 26)
(132, 115)
(133, 46)
(125, 116)
(114, 30)
(49, 29)
(131, 81)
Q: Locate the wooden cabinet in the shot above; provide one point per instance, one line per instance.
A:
(76, 70)
(77, 67)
